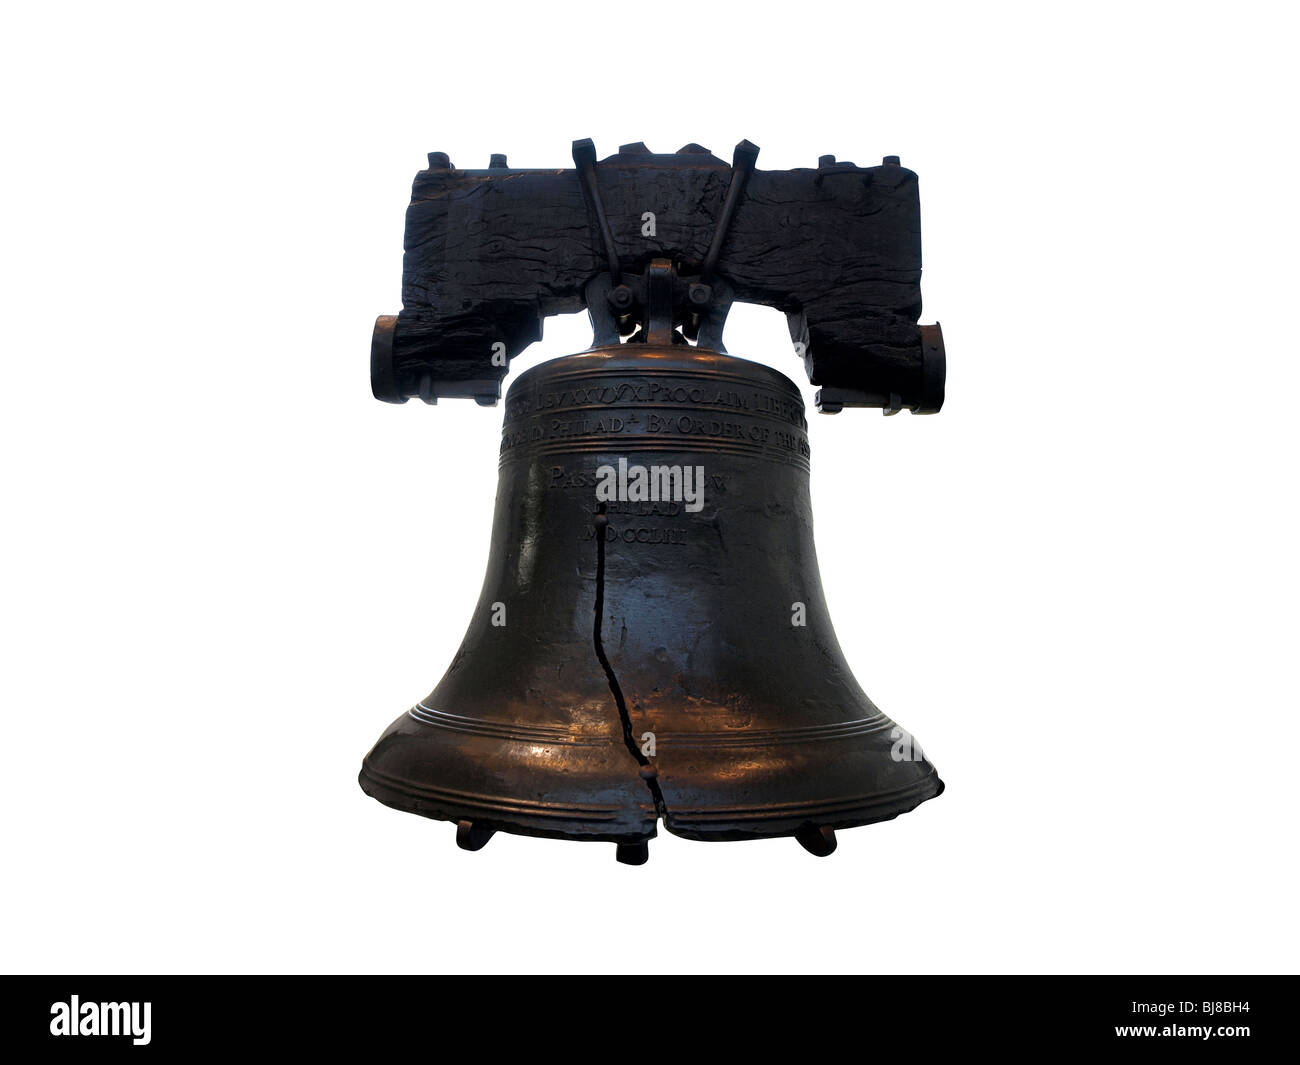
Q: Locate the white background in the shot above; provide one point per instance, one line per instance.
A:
(226, 568)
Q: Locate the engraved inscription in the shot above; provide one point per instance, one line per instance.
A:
(646, 393)
(586, 477)
(668, 536)
(637, 412)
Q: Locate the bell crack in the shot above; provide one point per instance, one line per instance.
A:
(647, 771)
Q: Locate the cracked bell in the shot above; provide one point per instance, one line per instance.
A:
(662, 660)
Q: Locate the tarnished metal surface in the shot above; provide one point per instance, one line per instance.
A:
(644, 664)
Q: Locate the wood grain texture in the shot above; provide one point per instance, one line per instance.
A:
(490, 253)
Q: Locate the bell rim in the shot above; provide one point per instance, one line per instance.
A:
(719, 824)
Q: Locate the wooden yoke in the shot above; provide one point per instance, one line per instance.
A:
(491, 253)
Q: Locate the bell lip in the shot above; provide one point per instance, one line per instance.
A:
(835, 814)
(631, 358)
(499, 817)
(699, 825)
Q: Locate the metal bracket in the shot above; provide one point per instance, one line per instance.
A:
(661, 302)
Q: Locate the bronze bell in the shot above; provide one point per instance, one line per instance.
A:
(652, 642)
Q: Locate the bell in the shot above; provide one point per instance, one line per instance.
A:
(664, 656)
(652, 643)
